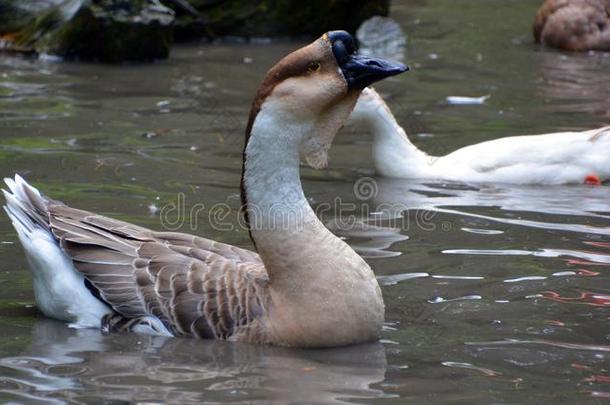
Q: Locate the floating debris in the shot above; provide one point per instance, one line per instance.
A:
(397, 278)
(486, 371)
(153, 209)
(483, 231)
(439, 300)
(459, 277)
(424, 135)
(564, 273)
(388, 342)
(461, 100)
(526, 278)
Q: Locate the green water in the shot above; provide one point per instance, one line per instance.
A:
(494, 294)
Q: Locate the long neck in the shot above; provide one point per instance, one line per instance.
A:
(273, 194)
(315, 278)
(393, 153)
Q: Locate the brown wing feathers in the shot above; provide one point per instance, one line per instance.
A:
(193, 285)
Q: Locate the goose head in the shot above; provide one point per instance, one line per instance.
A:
(311, 92)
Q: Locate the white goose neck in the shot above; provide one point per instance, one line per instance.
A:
(274, 195)
(394, 155)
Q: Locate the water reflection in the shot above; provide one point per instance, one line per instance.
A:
(575, 82)
(565, 208)
(83, 365)
(369, 240)
(25, 87)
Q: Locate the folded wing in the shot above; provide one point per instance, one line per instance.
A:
(194, 286)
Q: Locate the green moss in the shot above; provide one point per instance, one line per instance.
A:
(91, 36)
(5, 91)
(100, 30)
(31, 143)
(13, 17)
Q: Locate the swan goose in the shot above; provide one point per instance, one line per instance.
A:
(554, 158)
(304, 288)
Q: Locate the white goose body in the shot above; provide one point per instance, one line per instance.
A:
(554, 158)
(307, 288)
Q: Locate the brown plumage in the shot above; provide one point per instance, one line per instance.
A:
(307, 288)
(166, 282)
(195, 286)
(575, 25)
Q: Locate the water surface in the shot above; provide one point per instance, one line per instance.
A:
(494, 293)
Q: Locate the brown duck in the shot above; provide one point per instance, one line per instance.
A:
(575, 25)
(305, 287)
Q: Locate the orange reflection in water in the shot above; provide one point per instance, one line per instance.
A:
(587, 273)
(604, 245)
(585, 298)
(579, 262)
(598, 379)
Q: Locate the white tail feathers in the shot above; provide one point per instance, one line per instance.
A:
(59, 289)
(25, 206)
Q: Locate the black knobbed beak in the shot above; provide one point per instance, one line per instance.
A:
(360, 71)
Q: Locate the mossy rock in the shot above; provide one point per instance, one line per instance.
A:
(265, 18)
(101, 30)
(104, 34)
(17, 14)
(141, 30)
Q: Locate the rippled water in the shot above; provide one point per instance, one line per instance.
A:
(494, 293)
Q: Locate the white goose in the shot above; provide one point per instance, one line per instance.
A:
(555, 158)
(307, 288)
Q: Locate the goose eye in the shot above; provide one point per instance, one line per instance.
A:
(313, 67)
